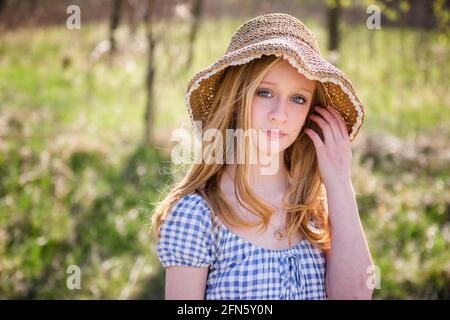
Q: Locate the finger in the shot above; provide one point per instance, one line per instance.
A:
(315, 139)
(325, 126)
(331, 119)
(341, 122)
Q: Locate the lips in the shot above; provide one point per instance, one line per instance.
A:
(275, 133)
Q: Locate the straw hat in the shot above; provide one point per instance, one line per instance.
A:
(282, 35)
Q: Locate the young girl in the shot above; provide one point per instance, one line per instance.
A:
(230, 230)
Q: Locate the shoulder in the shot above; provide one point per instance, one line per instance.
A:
(191, 211)
(185, 235)
(189, 205)
(192, 200)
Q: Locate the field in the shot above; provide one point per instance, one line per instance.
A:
(77, 186)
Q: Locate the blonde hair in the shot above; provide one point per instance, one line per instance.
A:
(304, 202)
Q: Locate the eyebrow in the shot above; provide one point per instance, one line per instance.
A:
(274, 84)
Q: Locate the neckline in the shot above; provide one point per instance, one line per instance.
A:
(251, 244)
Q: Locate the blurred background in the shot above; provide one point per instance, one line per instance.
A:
(89, 96)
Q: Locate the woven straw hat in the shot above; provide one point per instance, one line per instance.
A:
(281, 35)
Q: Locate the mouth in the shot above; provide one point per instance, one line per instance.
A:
(275, 133)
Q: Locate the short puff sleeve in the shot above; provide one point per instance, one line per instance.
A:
(186, 236)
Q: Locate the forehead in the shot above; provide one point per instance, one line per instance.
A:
(286, 75)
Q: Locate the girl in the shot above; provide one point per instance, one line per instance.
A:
(230, 230)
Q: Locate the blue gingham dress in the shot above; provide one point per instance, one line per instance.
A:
(238, 269)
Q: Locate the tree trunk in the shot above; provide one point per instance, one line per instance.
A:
(114, 23)
(196, 13)
(333, 25)
(149, 108)
(2, 5)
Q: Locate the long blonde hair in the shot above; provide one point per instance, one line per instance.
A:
(305, 200)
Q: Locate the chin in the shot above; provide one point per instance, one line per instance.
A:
(267, 151)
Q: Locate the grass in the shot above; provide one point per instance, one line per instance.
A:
(77, 187)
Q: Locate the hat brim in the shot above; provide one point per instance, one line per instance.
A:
(340, 92)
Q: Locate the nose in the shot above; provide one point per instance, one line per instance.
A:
(278, 112)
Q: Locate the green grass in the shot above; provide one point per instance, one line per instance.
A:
(76, 186)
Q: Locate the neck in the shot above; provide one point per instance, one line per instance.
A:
(263, 181)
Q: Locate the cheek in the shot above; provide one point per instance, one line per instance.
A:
(258, 113)
(297, 117)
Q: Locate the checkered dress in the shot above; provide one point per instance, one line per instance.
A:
(238, 269)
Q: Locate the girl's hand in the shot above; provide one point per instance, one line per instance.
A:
(334, 154)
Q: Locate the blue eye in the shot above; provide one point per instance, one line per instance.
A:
(301, 100)
(262, 93)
